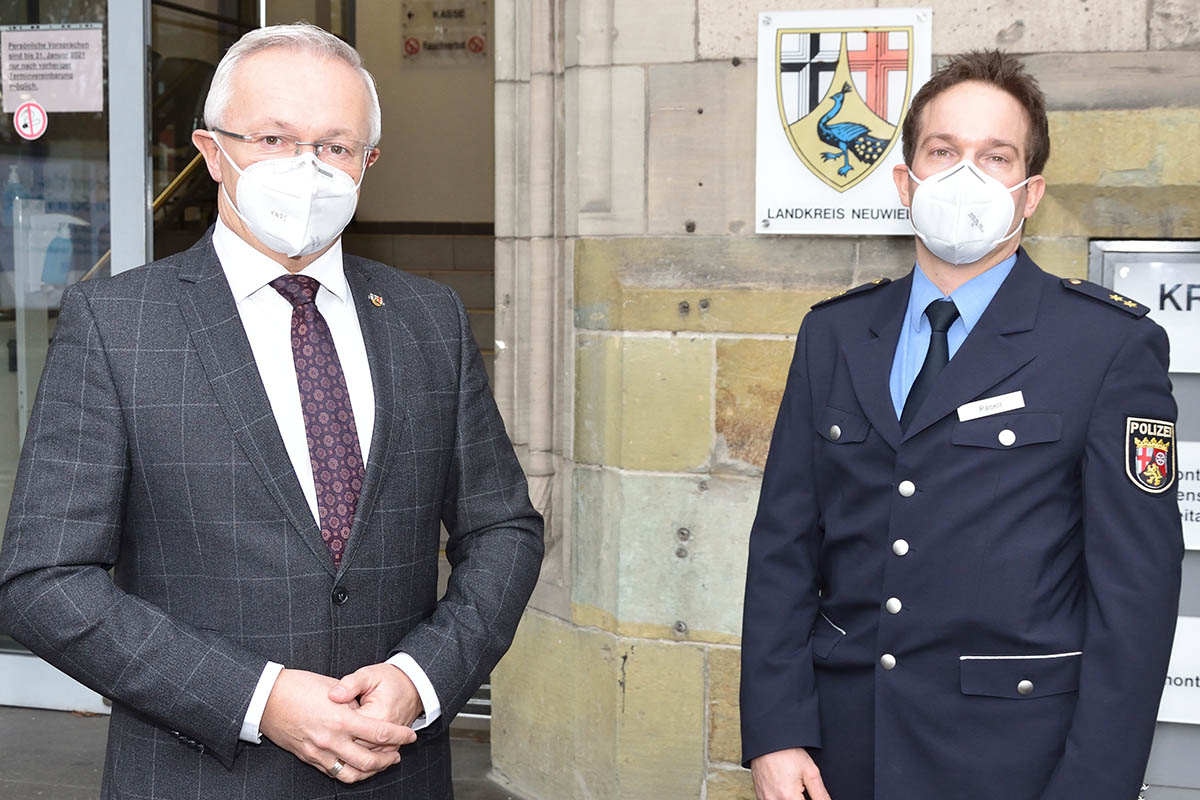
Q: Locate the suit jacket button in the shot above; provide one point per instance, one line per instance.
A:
(907, 488)
(1025, 688)
(900, 547)
(1007, 438)
(340, 595)
(887, 661)
(893, 605)
(835, 432)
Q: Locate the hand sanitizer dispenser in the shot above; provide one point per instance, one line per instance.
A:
(12, 190)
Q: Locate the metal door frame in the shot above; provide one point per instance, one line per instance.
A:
(129, 169)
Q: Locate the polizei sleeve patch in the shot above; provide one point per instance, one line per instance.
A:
(1098, 292)
(1150, 453)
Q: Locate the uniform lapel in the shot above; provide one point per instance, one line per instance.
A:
(993, 350)
(382, 337)
(870, 360)
(208, 308)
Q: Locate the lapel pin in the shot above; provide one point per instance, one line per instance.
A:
(375, 299)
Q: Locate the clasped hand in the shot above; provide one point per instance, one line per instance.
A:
(787, 775)
(360, 721)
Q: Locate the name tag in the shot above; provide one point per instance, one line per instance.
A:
(991, 405)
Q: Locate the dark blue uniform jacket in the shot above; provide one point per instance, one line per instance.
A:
(972, 609)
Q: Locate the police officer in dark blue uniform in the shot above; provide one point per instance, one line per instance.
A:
(964, 572)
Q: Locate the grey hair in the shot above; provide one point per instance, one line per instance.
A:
(302, 36)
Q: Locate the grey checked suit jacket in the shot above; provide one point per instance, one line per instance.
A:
(152, 449)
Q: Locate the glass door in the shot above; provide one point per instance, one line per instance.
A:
(54, 230)
(74, 191)
(187, 39)
(75, 180)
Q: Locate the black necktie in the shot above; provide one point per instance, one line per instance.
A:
(941, 314)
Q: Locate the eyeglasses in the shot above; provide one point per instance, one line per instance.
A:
(346, 154)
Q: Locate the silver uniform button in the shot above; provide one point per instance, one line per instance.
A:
(907, 488)
(893, 605)
(900, 547)
(1007, 437)
(1025, 688)
(887, 661)
(835, 432)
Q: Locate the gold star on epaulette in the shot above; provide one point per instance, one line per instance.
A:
(856, 290)
(1105, 295)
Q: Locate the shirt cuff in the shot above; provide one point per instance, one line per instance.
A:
(258, 703)
(429, 699)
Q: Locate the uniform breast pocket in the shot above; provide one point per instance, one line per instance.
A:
(1008, 431)
(1020, 677)
(842, 427)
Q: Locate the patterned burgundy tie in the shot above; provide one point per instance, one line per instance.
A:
(328, 417)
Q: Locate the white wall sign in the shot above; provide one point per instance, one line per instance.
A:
(833, 90)
(446, 31)
(1172, 290)
(59, 66)
(1181, 695)
(1187, 466)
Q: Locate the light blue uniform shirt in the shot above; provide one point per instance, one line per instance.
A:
(971, 299)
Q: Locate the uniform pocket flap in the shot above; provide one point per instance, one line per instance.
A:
(842, 427)
(825, 636)
(1020, 677)
(1006, 431)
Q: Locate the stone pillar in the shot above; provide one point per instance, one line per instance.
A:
(533, 291)
(644, 333)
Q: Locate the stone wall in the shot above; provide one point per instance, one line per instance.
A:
(673, 326)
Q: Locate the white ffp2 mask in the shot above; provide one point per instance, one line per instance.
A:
(961, 214)
(296, 206)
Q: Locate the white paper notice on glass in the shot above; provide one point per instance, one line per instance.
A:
(60, 67)
(1172, 291)
(1181, 695)
(1187, 466)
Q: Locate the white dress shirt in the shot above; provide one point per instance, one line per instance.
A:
(267, 318)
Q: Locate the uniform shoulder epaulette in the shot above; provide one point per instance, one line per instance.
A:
(1105, 295)
(866, 287)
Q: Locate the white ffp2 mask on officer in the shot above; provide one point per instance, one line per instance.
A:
(296, 206)
(961, 214)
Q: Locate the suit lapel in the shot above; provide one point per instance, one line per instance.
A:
(216, 330)
(870, 360)
(997, 347)
(388, 354)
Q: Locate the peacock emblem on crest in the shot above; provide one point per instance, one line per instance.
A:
(848, 137)
(842, 97)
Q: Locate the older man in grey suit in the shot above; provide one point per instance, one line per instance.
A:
(261, 437)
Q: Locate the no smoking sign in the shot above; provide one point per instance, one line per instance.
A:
(30, 120)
